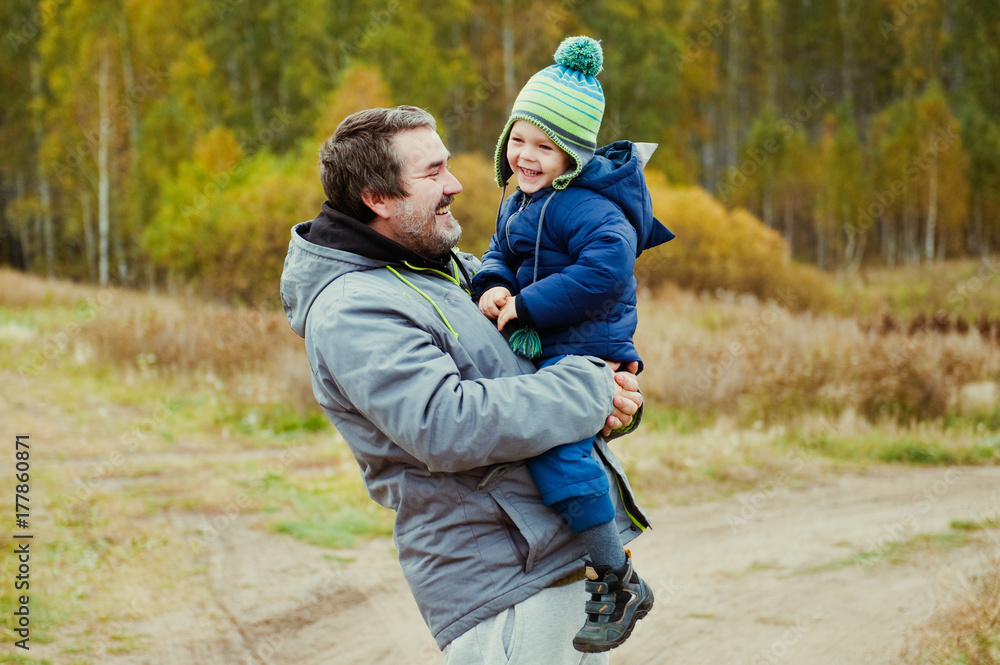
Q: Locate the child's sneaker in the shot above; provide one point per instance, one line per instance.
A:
(618, 599)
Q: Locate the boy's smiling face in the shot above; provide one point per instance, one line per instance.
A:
(535, 159)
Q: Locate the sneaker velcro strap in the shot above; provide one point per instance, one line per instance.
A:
(594, 607)
(597, 588)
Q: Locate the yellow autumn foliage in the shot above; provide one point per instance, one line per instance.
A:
(729, 250)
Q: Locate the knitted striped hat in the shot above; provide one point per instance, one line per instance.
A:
(566, 102)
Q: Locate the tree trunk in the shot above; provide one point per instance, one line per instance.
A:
(509, 82)
(790, 225)
(709, 152)
(821, 239)
(932, 211)
(770, 11)
(767, 201)
(854, 256)
(889, 240)
(89, 247)
(23, 228)
(732, 111)
(104, 178)
(847, 30)
(911, 233)
(44, 192)
(128, 77)
(48, 232)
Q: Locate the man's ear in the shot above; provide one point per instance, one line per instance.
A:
(377, 203)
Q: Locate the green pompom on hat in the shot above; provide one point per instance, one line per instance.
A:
(565, 101)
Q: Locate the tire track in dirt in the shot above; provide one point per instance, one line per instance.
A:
(765, 591)
(779, 588)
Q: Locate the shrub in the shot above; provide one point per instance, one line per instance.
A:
(717, 249)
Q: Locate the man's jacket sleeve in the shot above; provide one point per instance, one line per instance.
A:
(392, 369)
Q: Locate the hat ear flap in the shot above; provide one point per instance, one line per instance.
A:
(501, 167)
(505, 171)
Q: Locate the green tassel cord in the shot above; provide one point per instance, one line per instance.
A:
(526, 343)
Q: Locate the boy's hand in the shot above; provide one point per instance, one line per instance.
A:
(493, 300)
(507, 312)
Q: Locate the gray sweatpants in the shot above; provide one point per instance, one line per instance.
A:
(537, 631)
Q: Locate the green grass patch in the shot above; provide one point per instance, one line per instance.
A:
(45, 612)
(329, 511)
(26, 660)
(978, 422)
(908, 449)
(273, 421)
(128, 643)
(334, 531)
(683, 421)
(973, 525)
(899, 551)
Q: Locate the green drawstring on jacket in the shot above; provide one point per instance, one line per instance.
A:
(427, 297)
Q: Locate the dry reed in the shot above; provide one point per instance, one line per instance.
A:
(738, 356)
(722, 354)
(967, 631)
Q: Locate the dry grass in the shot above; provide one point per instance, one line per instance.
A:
(250, 354)
(21, 290)
(753, 360)
(969, 288)
(723, 354)
(967, 632)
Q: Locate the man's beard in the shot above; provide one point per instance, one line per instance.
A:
(412, 225)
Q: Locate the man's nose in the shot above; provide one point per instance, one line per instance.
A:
(452, 185)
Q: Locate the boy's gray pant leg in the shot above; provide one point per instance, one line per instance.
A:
(537, 631)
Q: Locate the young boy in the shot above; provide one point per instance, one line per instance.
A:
(561, 264)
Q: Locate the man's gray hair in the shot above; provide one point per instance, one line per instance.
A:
(361, 156)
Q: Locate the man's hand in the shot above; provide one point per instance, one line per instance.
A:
(493, 300)
(627, 398)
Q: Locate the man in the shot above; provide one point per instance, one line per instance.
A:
(438, 411)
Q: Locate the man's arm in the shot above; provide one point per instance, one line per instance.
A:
(396, 374)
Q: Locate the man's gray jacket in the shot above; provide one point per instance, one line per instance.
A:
(440, 415)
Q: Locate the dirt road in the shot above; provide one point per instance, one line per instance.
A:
(761, 577)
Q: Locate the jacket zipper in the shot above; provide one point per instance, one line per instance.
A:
(506, 231)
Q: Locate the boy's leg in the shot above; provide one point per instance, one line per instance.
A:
(604, 545)
(618, 596)
(575, 484)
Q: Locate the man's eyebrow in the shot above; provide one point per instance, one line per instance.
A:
(436, 164)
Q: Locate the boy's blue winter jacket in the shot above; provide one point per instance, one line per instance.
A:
(578, 288)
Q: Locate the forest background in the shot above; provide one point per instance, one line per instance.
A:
(174, 143)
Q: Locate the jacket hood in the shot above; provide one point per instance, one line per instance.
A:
(616, 173)
(310, 268)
